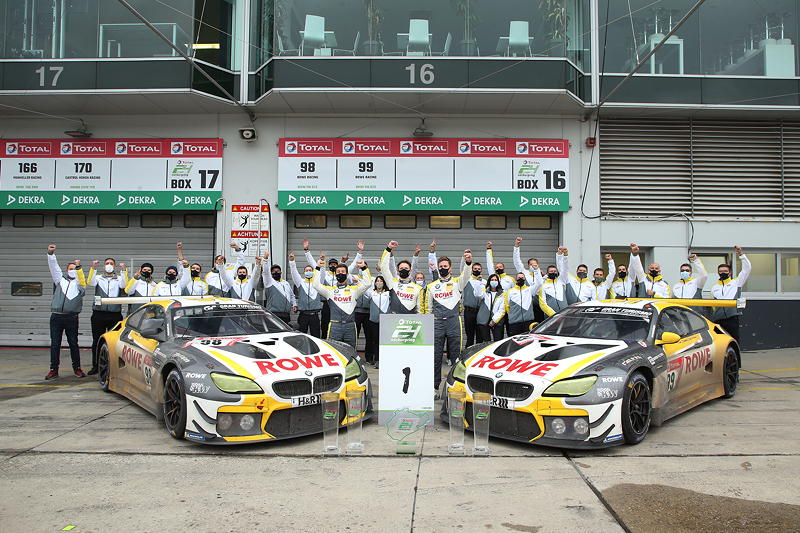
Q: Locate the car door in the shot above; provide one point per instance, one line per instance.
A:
(688, 358)
(118, 368)
(137, 356)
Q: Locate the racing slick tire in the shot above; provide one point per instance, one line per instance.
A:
(174, 404)
(636, 406)
(103, 366)
(730, 372)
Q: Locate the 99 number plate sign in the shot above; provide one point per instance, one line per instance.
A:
(429, 174)
(172, 174)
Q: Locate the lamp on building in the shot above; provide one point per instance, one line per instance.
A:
(422, 130)
(80, 133)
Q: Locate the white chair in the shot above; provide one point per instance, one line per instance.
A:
(419, 40)
(447, 43)
(519, 39)
(354, 51)
(313, 33)
(284, 51)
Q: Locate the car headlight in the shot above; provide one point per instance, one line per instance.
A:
(571, 387)
(235, 384)
(352, 370)
(460, 372)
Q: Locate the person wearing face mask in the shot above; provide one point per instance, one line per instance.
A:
(491, 310)
(216, 280)
(601, 284)
(278, 294)
(518, 304)
(189, 279)
(68, 290)
(554, 289)
(404, 294)
(532, 274)
(327, 278)
(244, 286)
(170, 285)
(579, 286)
(379, 301)
(728, 288)
(689, 286)
(443, 300)
(411, 265)
(342, 297)
(473, 293)
(651, 284)
(499, 268)
(105, 316)
(309, 301)
(141, 284)
(624, 284)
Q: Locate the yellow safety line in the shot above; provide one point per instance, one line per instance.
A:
(772, 370)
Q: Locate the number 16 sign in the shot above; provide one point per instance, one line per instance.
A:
(406, 371)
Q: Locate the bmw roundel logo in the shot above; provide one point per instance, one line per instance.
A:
(499, 375)
(438, 286)
(308, 373)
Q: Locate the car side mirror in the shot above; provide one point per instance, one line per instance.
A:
(153, 328)
(668, 337)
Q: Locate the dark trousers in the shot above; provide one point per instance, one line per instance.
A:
(61, 323)
(361, 318)
(518, 328)
(372, 333)
(731, 325)
(308, 322)
(326, 319)
(494, 333)
(445, 329)
(538, 314)
(471, 325)
(283, 316)
(102, 321)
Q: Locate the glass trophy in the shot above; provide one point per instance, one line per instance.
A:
(330, 423)
(355, 408)
(455, 409)
(481, 409)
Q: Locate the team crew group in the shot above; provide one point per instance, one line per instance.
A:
(336, 300)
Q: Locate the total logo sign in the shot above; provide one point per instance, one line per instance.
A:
(482, 147)
(430, 147)
(308, 147)
(83, 148)
(193, 147)
(138, 148)
(367, 147)
(542, 148)
(28, 148)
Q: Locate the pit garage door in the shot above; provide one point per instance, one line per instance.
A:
(26, 288)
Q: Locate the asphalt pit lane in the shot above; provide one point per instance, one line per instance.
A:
(658, 508)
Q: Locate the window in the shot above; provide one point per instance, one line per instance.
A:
(112, 220)
(400, 222)
(790, 272)
(156, 220)
(198, 220)
(534, 222)
(26, 288)
(675, 321)
(445, 222)
(136, 318)
(70, 221)
(696, 322)
(490, 222)
(25, 220)
(763, 277)
(355, 221)
(310, 221)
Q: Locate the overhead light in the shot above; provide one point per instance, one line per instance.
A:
(422, 130)
(81, 133)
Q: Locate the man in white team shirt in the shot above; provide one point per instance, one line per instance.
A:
(728, 288)
(244, 286)
(405, 295)
(689, 286)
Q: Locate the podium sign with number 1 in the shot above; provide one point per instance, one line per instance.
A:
(405, 377)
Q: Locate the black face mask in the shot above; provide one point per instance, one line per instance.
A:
(341, 278)
(242, 277)
(499, 271)
(404, 272)
(520, 282)
(332, 268)
(552, 275)
(195, 273)
(476, 273)
(276, 276)
(599, 280)
(171, 276)
(655, 273)
(146, 274)
(581, 275)
(723, 276)
(444, 272)
(622, 275)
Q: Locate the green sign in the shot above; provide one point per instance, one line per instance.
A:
(111, 200)
(425, 200)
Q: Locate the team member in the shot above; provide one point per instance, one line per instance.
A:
(624, 285)
(404, 294)
(328, 278)
(579, 287)
(491, 310)
(601, 284)
(216, 281)
(68, 291)
(728, 288)
(105, 316)
(309, 302)
(169, 286)
(533, 268)
(190, 281)
(689, 286)
(443, 299)
(279, 297)
(244, 286)
(651, 285)
(499, 268)
(419, 279)
(379, 300)
(141, 284)
(412, 263)
(473, 293)
(342, 298)
(553, 293)
(518, 303)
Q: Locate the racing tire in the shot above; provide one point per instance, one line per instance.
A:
(730, 372)
(636, 409)
(174, 405)
(103, 366)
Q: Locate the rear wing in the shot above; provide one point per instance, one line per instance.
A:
(740, 303)
(99, 300)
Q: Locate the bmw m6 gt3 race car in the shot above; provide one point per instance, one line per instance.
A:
(224, 371)
(599, 374)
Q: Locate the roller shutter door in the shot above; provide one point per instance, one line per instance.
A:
(24, 320)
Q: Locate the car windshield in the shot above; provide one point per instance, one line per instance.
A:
(208, 321)
(610, 323)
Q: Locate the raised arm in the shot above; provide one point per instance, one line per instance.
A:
(52, 264)
(325, 291)
(635, 265)
(266, 275)
(537, 282)
(489, 257)
(702, 273)
(91, 280)
(464, 274)
(386, 256)
(612, 268)
(184, 275)
(297, 279)
(562, 264)
(746, 267)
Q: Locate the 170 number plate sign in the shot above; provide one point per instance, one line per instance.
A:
(424, 174)
(110, 174)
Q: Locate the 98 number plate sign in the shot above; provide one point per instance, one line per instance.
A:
(110, 174)
(429, 174)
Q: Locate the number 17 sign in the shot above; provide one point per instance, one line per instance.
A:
(406, 366)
